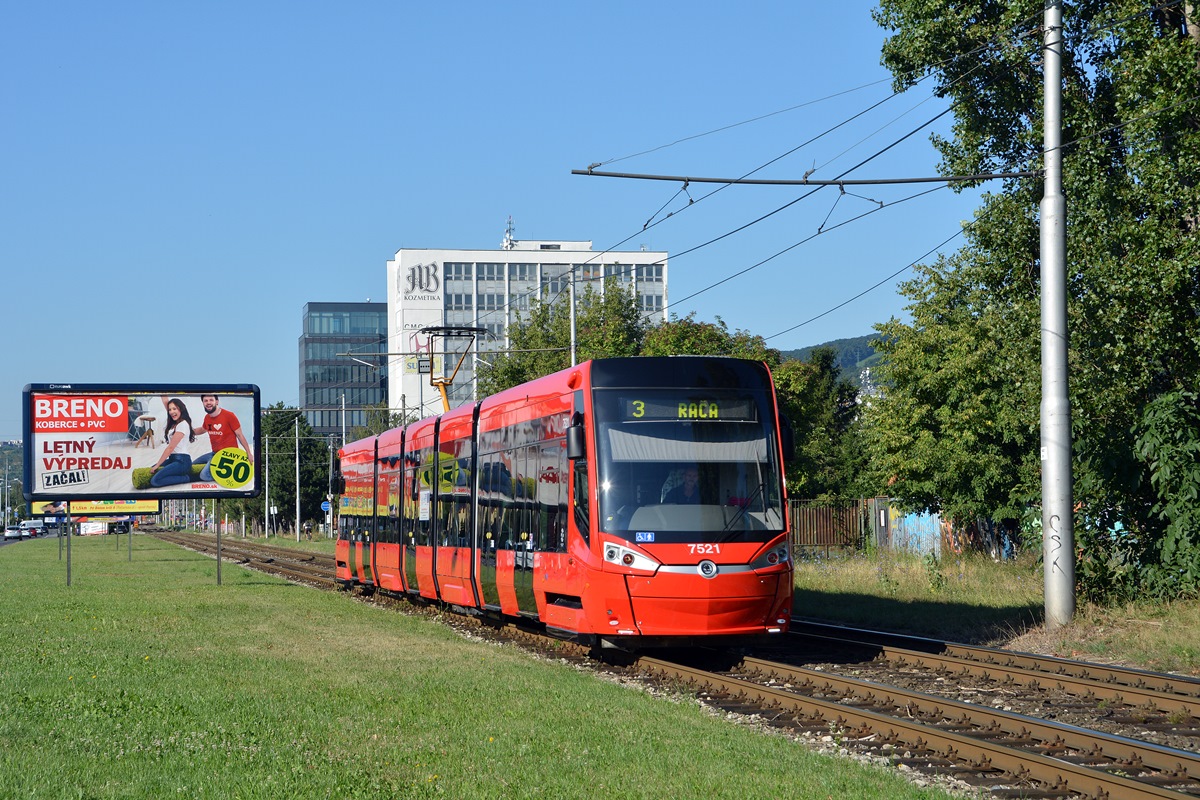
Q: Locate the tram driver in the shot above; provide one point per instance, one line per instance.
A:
(688, 491)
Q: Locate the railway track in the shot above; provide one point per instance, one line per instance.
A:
(301, 566)
(1011, 755)
(1130, 702)
(1007, 753)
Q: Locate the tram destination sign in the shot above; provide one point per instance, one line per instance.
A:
(688, 406)
(141, 442)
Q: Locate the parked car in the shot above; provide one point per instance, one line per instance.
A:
(12, 532)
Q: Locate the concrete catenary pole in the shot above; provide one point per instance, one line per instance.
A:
(297, 477)
(1058, 545)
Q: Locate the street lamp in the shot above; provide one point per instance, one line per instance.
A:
(7, 507)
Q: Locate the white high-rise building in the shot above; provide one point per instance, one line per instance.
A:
(489, 289)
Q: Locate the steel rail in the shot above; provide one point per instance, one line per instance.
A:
(1130, 753)
(1180, 685)
(1015, 675)
(1054, 774)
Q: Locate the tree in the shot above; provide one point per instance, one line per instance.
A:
(607, 325)
(686, 336)
(283, 430)
(821, 406)
(379, 418)
(957, 428)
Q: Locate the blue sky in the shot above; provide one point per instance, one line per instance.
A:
(179, 180)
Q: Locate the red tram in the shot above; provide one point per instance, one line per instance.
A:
(563, 501)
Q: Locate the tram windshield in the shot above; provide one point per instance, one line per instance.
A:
(688, 465)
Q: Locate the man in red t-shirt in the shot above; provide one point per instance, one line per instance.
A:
(223, 429)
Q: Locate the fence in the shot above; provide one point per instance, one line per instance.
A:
(851, 525)
(829, 527)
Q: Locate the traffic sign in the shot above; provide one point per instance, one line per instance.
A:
(325, 505)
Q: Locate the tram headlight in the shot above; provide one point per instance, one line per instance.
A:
(773, 557)
(620, 556)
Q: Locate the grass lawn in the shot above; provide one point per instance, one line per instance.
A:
(145, 679)
(974, 599)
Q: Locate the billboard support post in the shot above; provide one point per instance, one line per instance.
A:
(68, 545)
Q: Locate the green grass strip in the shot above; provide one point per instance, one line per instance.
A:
(145, 679)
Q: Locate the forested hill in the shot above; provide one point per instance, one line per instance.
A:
(854, 355)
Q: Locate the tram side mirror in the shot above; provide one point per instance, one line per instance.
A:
(337, 483)
(575, 442)
(787, 438)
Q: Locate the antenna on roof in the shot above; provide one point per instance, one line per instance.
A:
(509, 242)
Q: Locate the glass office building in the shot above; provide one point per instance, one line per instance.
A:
(343, 371)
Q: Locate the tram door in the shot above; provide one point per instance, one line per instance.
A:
(524, 538)
(367, 557)
(494, 493)
(409, 522)
(364, 554)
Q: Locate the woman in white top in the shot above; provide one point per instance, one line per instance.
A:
(175, 463)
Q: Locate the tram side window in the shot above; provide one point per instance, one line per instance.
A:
(582, 514)
(387, 528)
(550, 495)
(524, 522)
(408, 519)
(579, 477)
(454, 499)
(391, 527)
(422, 497)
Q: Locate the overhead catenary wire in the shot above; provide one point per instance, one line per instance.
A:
(574, 268)
(997, 40)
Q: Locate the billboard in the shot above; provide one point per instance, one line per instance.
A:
(113, 508)
(141, 442)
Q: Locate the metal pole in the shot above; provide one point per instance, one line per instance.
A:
(572, 316)
(218, 545)
(68, 548)
(267, 488)
(297, 477)
(1058, 546)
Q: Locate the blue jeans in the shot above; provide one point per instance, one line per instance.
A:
(176, 469)
(206, 473)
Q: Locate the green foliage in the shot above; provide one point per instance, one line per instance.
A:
(379, 419)
(933, 571)
(283, 430)
(957, 430)
(853, 355)
(1170, 447)
(607, 325)
(822, 406)
(686, 336)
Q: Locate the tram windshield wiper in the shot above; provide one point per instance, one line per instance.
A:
(758, 492)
